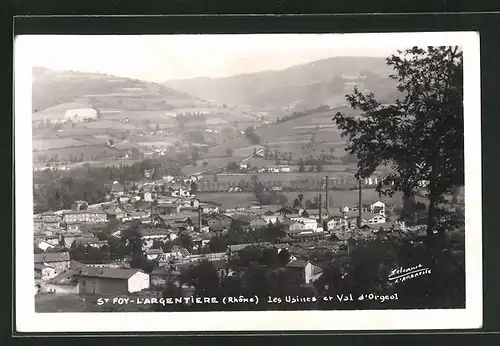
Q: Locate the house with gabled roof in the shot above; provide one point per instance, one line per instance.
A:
(57, 260)
(111, 280)
(305, 270)
(63, 283)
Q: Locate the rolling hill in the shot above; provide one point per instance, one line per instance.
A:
(303, 136)
(52, 88)
(298, 87)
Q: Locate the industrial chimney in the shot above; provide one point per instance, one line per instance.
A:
(200, 209)
(326, 195)
(320, 212)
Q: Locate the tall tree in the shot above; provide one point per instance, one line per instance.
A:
(419, 136)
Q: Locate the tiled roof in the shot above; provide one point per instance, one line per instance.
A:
(52, 257)
(297, 264)
(67, 277)
(88, 211)
(281, 246)
(153, 231)
(154, 251)
(245, 218)
(240, 247)
(111, 273)
(40, 267)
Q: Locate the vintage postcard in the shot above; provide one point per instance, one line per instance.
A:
(258, 182)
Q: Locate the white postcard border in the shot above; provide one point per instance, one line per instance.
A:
(469, 318)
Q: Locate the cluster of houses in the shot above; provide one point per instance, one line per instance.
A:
(163, 218)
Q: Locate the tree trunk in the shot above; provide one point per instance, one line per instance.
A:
(408, 203)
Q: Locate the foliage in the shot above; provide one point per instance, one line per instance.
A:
(421, 136)
(252, 136)
(61, 193)
(58, 190)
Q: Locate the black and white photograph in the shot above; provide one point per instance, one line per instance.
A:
(248, 182)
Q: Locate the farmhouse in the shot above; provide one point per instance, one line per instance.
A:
(305, 271)
(111, 280)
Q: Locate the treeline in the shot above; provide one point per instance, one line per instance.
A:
(61, 193)
(356, 278)
(252, 136)
(55, 190)
(296, 115)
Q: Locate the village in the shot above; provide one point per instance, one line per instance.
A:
(164, 213)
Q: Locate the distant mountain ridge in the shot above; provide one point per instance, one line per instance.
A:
(300, 87)
(51, 88)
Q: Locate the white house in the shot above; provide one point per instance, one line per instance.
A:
(168, 178)
(273, 218)
(146, 196)
(306, 271)
(150, 235)
(111, 280)
(181, 193)
(43, 245)
(310, 224)
(373, 218)
(46, 272)
(378, 207)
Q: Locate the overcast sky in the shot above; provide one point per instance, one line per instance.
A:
(160, 58)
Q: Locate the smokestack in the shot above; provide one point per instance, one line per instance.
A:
(360, 216)
(320, 211)
(326, 196)
(199, 219)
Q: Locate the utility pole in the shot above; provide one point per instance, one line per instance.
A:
(326, 195)
(320, 210)
(360, 213)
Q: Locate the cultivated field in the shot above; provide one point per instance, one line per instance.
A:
(247, 151)
(89, 152)
(308, 135)
(340, 198)
(104, 163)
(103, 124)
(228, 199)
(213, 163)
(278, 177)
(48, 144)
